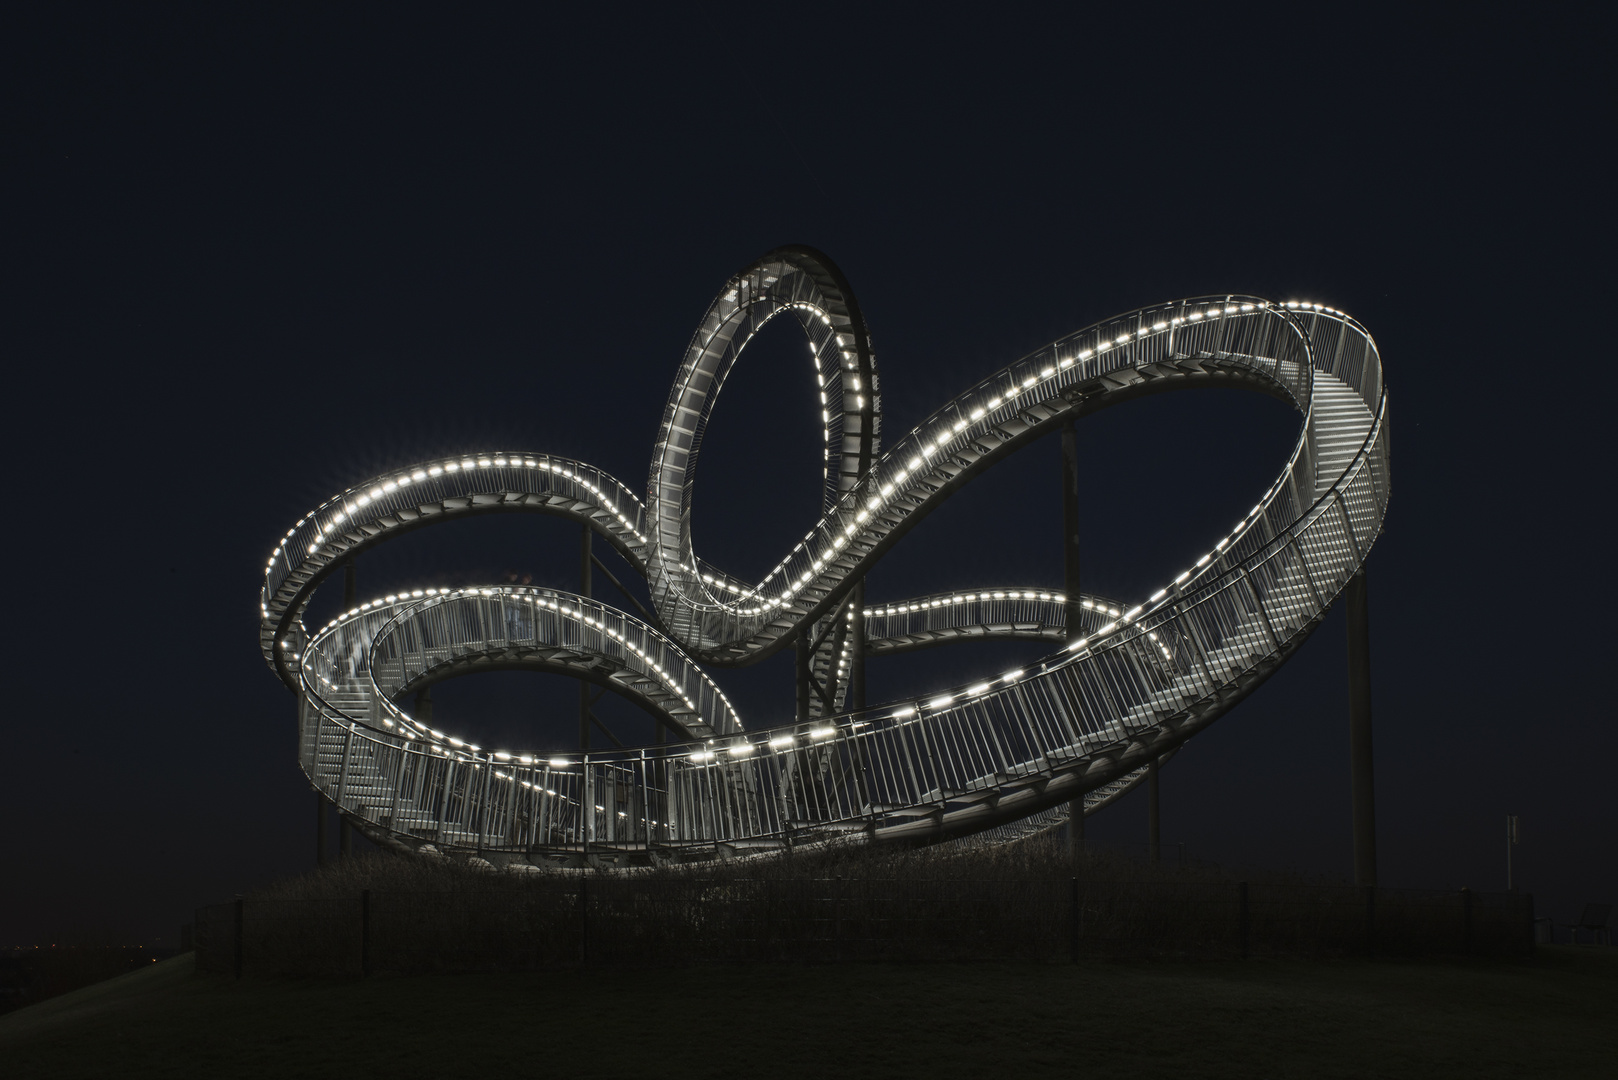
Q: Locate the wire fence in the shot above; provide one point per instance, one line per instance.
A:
(558, 921)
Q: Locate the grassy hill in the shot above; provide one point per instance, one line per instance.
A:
(1551, 1018)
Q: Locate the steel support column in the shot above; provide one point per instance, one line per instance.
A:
(584, 687)
(1070, 585)
(801, 675)
(1362, 784)
(348, 584)
(345, 837)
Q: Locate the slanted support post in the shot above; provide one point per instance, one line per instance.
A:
(1070, 586)
(584, 687)
(1362, 784)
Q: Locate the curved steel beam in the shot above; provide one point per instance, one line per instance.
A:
(960, 760)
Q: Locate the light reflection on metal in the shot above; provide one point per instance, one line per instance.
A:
(996, 759)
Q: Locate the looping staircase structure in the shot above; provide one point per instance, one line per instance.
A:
(1125, 684)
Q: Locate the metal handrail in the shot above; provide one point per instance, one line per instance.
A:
(959, 760)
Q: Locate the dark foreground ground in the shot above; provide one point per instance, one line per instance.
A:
(1557, 1016)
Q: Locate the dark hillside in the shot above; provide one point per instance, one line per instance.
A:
(1553, 1018)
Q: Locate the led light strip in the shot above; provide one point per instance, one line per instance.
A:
(956, 425)
(397, 609)
(899, 483)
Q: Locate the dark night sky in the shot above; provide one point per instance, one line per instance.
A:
(258, 257)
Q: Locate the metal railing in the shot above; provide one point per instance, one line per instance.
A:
(960, 760)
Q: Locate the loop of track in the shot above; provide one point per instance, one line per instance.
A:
(998, 757)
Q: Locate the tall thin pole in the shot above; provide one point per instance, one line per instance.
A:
(1362, 786)
(584, 687)
(1070, 585)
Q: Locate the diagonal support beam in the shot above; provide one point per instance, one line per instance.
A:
(647, 615)
(596, 720)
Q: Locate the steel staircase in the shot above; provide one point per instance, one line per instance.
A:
(997, 760)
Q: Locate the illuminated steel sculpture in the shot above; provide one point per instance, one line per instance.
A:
(1127, 684)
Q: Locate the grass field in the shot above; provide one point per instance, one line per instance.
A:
(1557, 1016)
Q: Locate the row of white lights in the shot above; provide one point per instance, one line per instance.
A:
(1258, 508)
(932, 603)
(536, 598)
(945, 437)
(387, 487)
(786, 741)
(950, 430)
(963, 599)
(850, 366)
(347, 506)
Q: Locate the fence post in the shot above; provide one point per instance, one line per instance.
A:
(1243, 922)
(1370, 919)
(1073, 922)
(365, 932)
(239, 947)
(584, 922)
(1466, 920)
